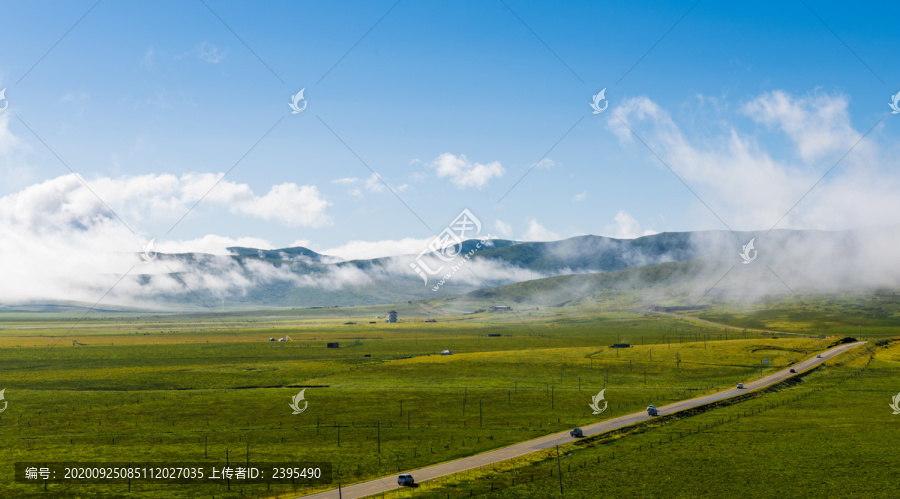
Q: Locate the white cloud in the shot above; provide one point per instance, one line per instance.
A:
(503, 229)
(60, 242)
(376, 249)
(581, 197)
(210, 53)
(210, 244)
(374, 183)
(537, 232)
(626, 227)
(751, 189)
(464, 173)
(64, 201)
(290, 204)
(546, 163)
(818, 124)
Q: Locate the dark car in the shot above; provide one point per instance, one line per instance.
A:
(793, 370)
(576, 433)
(406, 480)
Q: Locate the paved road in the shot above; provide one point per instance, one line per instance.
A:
(388, 483)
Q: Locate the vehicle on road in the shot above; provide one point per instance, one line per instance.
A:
(576, 433)
(793, 370)
(651, 410)
(405, 480)
(818, 356)
(740, 386)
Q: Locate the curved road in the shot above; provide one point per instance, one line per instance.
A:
(388, 483)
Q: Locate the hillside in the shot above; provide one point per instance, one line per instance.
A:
(686, 264)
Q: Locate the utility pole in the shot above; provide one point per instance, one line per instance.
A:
(559, 469)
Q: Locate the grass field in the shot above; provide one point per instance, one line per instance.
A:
(191, 388)
(827, 435)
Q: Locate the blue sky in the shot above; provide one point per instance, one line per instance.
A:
(747, 104)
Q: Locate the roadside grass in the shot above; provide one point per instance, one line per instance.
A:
(827, 435)
(870, 316)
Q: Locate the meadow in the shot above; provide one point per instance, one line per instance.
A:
(826, 435)
(193, 388)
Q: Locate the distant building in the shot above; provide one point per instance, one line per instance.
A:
(500, 308)
(333, 344)
(392, 316)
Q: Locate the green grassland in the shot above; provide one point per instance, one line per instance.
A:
(827, 435)
(189, 388)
